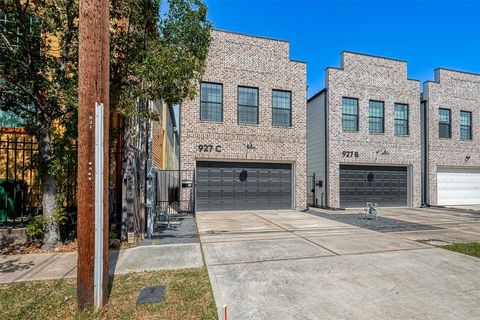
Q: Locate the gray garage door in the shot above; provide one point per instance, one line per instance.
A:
(386, 186)
(243, 186)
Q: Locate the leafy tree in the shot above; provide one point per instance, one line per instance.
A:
(156, 53)
(38, 69)
(156, 56)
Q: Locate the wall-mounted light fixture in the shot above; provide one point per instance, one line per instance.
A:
(467, 158)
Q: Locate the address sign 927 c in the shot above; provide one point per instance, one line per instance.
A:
(209, 148)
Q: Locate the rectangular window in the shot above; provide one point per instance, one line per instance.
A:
(281, 108)
(247, 105)
(465, 125)
(349, 114)
(376, 116)
(211, 101)
(444, 123)
(401, 119)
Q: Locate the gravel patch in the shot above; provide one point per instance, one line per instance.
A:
(182, 229)
(380, 224)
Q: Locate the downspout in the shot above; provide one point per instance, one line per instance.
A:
(426, 168)
(325, 205)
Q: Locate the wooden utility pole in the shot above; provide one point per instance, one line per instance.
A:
(93, 89)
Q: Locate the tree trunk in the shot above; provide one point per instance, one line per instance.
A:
(51, 236)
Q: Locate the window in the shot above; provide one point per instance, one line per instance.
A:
(349, 114)
(211, 102)
(465, 125)
(376, 120)
(247, 105)
(281, 108)
(444, 123)
(401, 119)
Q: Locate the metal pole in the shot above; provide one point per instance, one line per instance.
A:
(99, 214)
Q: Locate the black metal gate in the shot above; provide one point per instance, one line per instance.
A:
(311, 190)
(175, 192)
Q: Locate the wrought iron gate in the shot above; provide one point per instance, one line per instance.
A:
(311, 190)
(175, 192)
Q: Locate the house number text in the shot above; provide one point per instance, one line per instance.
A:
(209, 148)
(350, 154)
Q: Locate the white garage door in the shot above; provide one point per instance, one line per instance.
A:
(457, 186)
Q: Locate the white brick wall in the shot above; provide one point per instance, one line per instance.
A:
(457, 91)
(235, 60)
(373, 78)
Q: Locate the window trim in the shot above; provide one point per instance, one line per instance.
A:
(238, 105)
(470, 127)
(383, 117)
(407, 120)
(449, 123)
(291, 101)
(357, 115)
(200, 98)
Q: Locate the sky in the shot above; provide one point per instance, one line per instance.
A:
(427, 34)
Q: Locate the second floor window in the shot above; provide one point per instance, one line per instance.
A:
(465, 125)
(211, 101)
(444, 123)
(247, 105)
(281, 108)
(401, 119)
(349, 114)
(376, 116)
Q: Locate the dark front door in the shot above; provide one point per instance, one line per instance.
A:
(243, 186)
(386, 186)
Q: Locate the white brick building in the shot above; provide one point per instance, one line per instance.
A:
(245, 133)
(452, 145)
(364, 134)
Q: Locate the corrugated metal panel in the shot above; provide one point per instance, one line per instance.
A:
(387, 186)
(243, 186)
(458, 186)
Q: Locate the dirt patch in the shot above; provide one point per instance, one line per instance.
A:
(35, 247)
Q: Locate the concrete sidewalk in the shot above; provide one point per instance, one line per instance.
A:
(293, 265)
(48, 266)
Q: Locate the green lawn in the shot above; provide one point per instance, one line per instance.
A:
(188, 296)
(472, 249)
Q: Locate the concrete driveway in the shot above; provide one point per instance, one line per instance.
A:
(293, 265)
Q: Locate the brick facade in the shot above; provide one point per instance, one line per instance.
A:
(241, 60)
(457, 91)
(367, 78)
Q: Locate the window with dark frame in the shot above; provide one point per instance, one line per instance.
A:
(465, 125)
(247, 98)
(444, 123)
(401, 119)
(349, 114)
(281, 108)
(376, 121)
(211, 101)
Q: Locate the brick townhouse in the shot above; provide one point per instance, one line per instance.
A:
(364, 134)
(245, 132)
(452, 146)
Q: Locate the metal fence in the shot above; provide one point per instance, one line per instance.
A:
(175, 192)
(20, 185)
(311, 191)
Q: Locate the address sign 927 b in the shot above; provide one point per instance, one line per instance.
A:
(350, 154)
(209, 148)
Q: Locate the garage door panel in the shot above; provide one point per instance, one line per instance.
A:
(264, 186)
(386, 186)
(458, 186)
